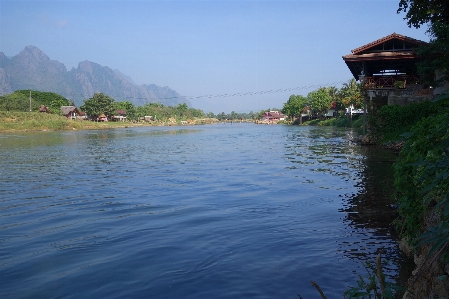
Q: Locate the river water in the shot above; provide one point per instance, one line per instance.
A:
(216, 211)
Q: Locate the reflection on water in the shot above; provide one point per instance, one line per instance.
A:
(222, 211)
(372, 210)
(368, 209)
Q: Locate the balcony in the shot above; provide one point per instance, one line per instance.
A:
(388, 82)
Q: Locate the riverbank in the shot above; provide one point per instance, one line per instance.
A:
(33, 121)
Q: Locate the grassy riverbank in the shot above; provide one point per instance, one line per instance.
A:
(342, 122)
(35, 121)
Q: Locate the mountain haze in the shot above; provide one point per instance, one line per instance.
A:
(32, 69)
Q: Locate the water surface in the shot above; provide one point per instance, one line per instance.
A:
(217, 211)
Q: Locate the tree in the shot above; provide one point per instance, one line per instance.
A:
(320, 100)
(294, 106)
(50, 99)
(435, 55)
(17, 101)
(182, 109)
(333, 93)
(420, 12)
(99, 104)
(128, 107)
(351, 94)
(196, 112)
(221, 116)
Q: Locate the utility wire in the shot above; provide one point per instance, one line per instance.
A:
(227, 95)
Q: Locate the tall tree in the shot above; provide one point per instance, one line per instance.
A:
(294, 106)
(420, 12)
(435, 56)
(351, 94)
(17, 101)
(129, 108)
(320, 100)
(99, 104)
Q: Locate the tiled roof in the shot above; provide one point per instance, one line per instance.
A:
(394, 35)
(383, 55)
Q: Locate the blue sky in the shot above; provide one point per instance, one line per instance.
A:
(207, 49)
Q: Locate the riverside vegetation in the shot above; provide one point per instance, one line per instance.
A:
(422, 187)
(420, 134)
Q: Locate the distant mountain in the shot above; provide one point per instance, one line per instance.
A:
(32, 69)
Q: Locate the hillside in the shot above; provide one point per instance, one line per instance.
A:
(33, 69)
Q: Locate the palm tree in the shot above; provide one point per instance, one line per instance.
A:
(351, 94)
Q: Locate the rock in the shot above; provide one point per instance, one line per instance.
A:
(367, 140)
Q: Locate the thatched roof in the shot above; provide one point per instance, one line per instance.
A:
(44, 108)
(69, 109)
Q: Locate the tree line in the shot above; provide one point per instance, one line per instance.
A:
(101, 103)
(98, 104)
(319, 101)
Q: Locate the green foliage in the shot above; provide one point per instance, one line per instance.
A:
(374, 285)
(391, 121)
(350, 93)
(99, 104)
(420, 12)
(50, 99)
(435, 55)
(323, 99)
(320, 100)
(160, 112)
(294, 106)
(17, 102)
(422, 180)
(398, 84)
(129, 108)
(182, 110)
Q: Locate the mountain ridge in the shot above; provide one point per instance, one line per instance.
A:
(33, 69)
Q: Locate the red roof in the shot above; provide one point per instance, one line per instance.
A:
(394, 35)
(392, 52)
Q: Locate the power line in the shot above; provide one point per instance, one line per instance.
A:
(227, 95)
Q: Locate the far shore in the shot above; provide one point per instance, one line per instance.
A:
(14, 122)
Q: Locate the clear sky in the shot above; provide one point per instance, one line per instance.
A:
(259, 51)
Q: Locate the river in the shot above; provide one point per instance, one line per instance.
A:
(214, 211)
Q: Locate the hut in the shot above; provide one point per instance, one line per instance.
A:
(70, 111)
(44, 109)
(120, 115)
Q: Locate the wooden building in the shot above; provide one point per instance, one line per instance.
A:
(388, 62)
(70, 111)
(44, 109)
(388, 70)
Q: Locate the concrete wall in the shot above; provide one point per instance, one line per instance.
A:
(413, 93)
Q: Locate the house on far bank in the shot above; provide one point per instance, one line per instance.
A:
(120, 115)
(102, 117)
(70, 111)
(273, 116)
(44, 109)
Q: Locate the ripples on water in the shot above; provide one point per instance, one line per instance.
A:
(224, 211)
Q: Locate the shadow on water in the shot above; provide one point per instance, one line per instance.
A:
(368, 213)
(372, 210)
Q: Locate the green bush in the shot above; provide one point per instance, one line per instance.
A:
(391, 121)
(422, 180)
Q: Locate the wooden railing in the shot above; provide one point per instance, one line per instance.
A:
(379, 82)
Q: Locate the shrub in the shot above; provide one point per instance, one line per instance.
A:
(422, 179)
(391, 121)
